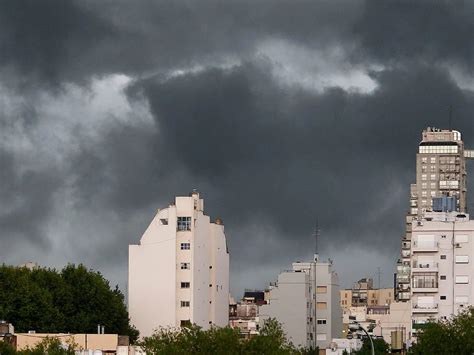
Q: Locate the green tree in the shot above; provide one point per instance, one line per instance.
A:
(50, 346)
(6, 348)
(73, 300)
(195, 340)
(452, 336)
(380, 347)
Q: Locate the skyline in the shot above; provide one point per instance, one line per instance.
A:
(109, 110)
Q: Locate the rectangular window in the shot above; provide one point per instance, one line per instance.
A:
(184, 303)
(185, 266)
(442, 277)
(424, 193)
(462, 299)
(433, 160)
(433, 177)
(424, 160)
(164, 221)
(185, 285)
(185, 246)
(185, 323)
(321, 321)
(433, 185)
(461, 238)
(433, 193)
(321, 337)
(184, 224)
(321, 305)
(423, 177)
(321, 289)
(462, 259)
(443, 257)
(442, 297)
(462, 279)
(425, 280)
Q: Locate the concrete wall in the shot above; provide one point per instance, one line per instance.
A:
(289, 304)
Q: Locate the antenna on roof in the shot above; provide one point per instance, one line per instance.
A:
(316, 234)
(450, 117)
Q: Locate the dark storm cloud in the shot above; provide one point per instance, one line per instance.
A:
(290, 155)
(431, 31)
(269, 157)
(26, 203)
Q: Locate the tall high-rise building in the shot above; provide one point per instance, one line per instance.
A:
(440, 176)
(179, 273)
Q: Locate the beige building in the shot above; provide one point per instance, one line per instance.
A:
(179, 272)
(106, 343)
(362, 293)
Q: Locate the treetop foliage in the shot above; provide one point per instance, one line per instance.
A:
(452, 336)
(195, 340)
(73, 300)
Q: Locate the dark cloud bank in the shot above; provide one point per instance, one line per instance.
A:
(268, 155)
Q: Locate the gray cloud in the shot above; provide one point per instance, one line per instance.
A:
(208, 107)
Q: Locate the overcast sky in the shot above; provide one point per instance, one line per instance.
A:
(278, 112)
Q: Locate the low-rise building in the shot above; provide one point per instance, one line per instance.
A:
(245, 314)
(305, 300)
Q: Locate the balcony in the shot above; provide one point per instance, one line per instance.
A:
(403, 279)
(406, 253)
(425, 246)
(426, 288)
(425, 308)
(424, 267)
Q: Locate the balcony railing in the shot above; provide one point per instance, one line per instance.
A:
(420, 265)
(425, 246)
(425, 308)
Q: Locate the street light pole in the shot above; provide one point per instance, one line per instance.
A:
(355, 327)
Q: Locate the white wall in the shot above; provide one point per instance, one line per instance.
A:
(151, 277)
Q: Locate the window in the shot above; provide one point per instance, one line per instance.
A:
(423, 176)
(442, 257)
(442, 277)
(433, 193)
(321, 336)
(433, 160)
(185, 285)
(462, 279)
(321, 289)
(442, 297)
(433, 168)
(433, 176)
(461, 238)
(184, 303)
(321, 305)
(321, 321)
(423, 193)
(462, 259)
(424, 160)
(433, 185)
(164, 221)
(184, 224)
(185, 266)
(185, 323)
(185, 246)
(462, 299)
(425, 280)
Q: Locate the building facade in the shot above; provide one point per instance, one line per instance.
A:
(363, 293)
(179, 272)
(442, 268)
(440, 176)
(305, 300)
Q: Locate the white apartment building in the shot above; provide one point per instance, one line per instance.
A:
(305, 300)
(442, 252)
(179, 272)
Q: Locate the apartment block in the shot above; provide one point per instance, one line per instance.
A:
(306, 301)
(363, 293)
(441, 177)
(179, 272)
(441, 269)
